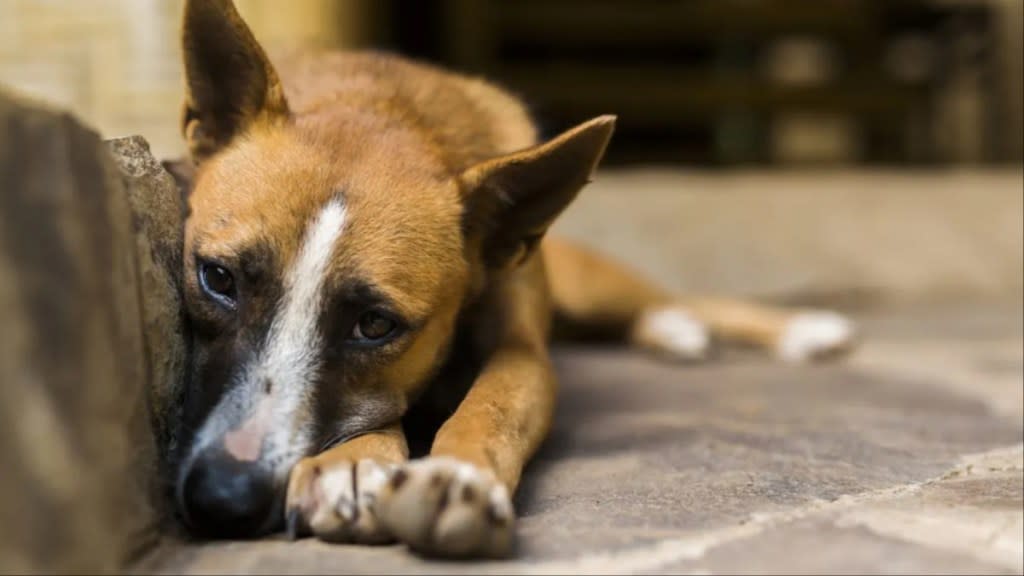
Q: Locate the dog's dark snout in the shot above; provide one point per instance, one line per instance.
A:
(224, 497)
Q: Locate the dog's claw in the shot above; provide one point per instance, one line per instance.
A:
(294, 526)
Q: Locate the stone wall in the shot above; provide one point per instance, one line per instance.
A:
(92, 346)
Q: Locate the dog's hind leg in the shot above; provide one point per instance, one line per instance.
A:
(595, 297)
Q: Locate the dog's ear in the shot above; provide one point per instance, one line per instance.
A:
(229, 81)
(511, 201)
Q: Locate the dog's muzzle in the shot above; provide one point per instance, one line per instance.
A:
(220, 496)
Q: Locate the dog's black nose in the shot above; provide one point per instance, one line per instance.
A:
(223, 497)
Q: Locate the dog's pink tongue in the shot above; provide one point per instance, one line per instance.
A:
(244, 442)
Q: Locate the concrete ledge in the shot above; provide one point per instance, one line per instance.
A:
(847, 237)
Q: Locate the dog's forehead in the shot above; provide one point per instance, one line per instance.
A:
(262, 190)
(409, 246)
(402, 220)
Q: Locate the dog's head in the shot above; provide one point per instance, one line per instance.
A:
(327, 257)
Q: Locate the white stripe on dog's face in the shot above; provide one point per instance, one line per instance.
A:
(290, 361)
(282, 376)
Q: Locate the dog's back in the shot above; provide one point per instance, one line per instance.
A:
(468, 119)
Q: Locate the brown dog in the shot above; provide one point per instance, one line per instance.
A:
(365, 238)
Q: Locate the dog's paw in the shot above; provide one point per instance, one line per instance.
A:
(815, 335)
(445, 507)
(336, 502)
(674, 332)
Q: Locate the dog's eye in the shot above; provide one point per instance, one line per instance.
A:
(218, 282)
(373, 327)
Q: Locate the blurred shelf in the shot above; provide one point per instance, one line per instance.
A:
(711, 81)
(660, 94)
(658, 21)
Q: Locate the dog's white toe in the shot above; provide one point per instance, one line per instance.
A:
(813, 335)
(443, 507)
(674, 331)
(336, 502)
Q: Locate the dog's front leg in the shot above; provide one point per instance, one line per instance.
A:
(333, 495)
(457, 502)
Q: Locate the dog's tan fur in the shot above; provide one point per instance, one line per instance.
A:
(448, 194)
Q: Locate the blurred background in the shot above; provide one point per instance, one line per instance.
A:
(715, 83)
(789, 148)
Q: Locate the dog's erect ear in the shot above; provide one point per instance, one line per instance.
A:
(512, 200)
(229, 80)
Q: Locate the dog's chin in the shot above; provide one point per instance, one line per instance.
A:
(214, 529)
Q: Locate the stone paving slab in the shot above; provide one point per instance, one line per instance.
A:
(966, 521)
(747, 465)
(820, 547)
